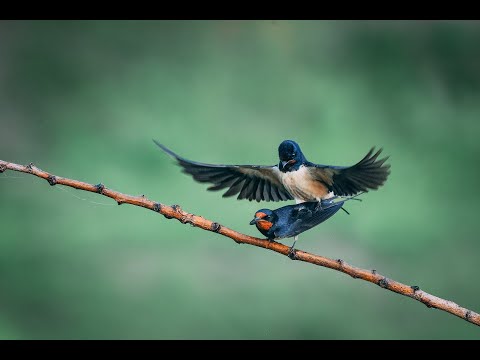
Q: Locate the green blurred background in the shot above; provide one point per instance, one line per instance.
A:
(84, 99)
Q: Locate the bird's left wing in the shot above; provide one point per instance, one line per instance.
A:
(368, 174)
(316, 216)
(305, 216)
(251, 182)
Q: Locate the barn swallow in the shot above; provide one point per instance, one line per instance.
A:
(292, 220)
(293, 178)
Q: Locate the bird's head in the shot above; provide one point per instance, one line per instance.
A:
(264, 220)
(290, 155)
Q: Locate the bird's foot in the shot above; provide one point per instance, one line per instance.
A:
(318, 206)
(292, 254)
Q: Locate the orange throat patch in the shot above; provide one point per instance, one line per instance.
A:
(264, 225)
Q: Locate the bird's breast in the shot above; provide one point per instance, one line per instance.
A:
(302, 186)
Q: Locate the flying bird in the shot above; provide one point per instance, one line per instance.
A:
(293, 178)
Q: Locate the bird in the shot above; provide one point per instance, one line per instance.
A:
(293, 178)
(292, 220)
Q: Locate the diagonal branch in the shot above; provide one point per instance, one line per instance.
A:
(176, 212)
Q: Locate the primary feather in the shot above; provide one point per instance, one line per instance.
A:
(252, 182)
(368, 174)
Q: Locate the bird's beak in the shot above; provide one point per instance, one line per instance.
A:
(254, 221)
(285, 163)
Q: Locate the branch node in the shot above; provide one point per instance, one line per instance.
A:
(374, 272)
(383, 283)
(30, 167)
(340, 262)
(3, 167)
(216, 228)
(187, 219)
(468, 315)
(176, 208)
(415, 288)
(52, 180)
(157, 207)
(100, 188)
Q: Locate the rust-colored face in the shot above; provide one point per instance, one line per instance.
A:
(261, 223)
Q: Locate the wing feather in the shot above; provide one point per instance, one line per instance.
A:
(250, 182)
(368, 174)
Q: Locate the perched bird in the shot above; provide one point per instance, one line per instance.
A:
(293, 178)
(292, 220)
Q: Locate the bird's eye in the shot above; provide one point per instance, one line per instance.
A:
(294, 154)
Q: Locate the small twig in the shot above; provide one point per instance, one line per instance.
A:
(176, 212)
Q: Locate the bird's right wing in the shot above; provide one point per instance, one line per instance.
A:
(251, 182)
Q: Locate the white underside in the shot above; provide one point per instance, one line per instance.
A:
(330, 195)
(298, 183)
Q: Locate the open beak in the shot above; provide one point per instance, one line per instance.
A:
(254, 221)
(289, 162)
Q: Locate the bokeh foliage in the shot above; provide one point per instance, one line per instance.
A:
(84, 99)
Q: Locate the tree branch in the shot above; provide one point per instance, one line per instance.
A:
(176, 212)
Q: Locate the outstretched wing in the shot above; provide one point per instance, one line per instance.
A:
(248, 181)
(368, 174)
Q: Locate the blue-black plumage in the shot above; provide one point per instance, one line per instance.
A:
(292, 220)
